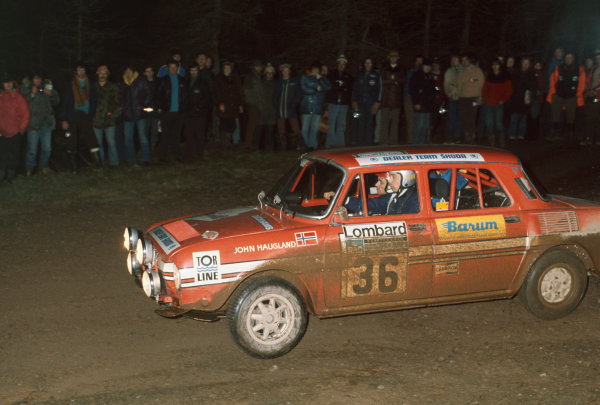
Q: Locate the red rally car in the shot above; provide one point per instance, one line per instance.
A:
(365, 230)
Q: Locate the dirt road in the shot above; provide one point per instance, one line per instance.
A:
(75, 329)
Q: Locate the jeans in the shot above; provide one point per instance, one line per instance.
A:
(129, 130)
(518, 126)
(366, 121)
(421, 125)
(337, 125)
(113, 158)
(236, 133)
(310, 127)
(454, 128)
(43, 137)
(492, 117)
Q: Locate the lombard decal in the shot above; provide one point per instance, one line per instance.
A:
(401, 157)
(164, 239)
(221, 214)
(374, 238)
(210, 234)
(207, 266)
(476, 227)
(267, 226)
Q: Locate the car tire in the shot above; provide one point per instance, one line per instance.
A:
(267, 317)
(555, 285)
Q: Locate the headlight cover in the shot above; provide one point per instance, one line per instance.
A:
(151, 283)
(133, 266)
(130, 238)
(144, 253)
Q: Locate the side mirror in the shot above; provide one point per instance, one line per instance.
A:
(293, 198)
(341, 214)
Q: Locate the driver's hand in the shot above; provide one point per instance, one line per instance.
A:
(328, 194)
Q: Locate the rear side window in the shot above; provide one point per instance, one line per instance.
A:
(491, 191)
(526, 188)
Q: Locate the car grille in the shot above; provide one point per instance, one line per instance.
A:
(558, 222)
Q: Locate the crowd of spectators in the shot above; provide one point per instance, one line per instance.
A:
(138, 119)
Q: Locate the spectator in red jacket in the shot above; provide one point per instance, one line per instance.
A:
(496, 91)
(14, 118)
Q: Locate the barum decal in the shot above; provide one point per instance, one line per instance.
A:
(476, 227)
(207, 266)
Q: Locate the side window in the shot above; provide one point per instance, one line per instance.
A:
(439, 189)
(526, 188)
(491, 191)
(466, 191)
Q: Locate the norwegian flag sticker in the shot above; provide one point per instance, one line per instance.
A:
(306, 238)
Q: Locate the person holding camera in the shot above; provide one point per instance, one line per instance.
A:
(42, 99)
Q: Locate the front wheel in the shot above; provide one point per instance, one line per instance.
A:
(267, 317)
(555, 285)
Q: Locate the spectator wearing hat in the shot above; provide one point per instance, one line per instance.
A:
(171, 100)
(42, 99)
(338, 100)
(366, 100)
(107, 115)
(286, 97)
(78, 108)
(422, 93)
(136, 96)
(14, 118)
(314, 86)
(268, 118)
(392, 78)
(177, 56)
(254, 98)
(228, 100)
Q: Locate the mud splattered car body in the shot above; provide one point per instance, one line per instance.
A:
(482, 231)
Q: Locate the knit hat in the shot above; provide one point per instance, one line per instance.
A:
(269, 68)
(342, 58)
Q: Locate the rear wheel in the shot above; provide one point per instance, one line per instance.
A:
(555, 285)
(267, 317)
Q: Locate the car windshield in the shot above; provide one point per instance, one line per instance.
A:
(301, 191)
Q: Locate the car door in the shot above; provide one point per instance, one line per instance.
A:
(479, 238)
(376, 261)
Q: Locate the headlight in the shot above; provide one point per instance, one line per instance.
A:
(151, 283)
(177, 278)
(133, 266)
(130, 238)
(144, 252)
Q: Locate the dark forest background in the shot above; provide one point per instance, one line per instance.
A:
(52, 35)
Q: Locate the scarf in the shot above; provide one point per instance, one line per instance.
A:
(127, 82)
(78, 93)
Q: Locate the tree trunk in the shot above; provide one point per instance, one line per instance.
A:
(79, 30)
(343, 40)
(427, 34)
(464, 43)
(216, 34)
(502, 39)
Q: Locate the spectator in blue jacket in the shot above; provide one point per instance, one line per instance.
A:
(286, 97)
(314, 86)
(175, 55)
(366, 100)
(136, 96)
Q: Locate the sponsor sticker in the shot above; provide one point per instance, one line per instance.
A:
(366, 159)
(446, 268)
(164, 239)
(263, 222)
(475, 227)
(301, 239)
(366, 239)
(441, 206)
(207, 266)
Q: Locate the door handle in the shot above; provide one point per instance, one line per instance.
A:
(416, 227)
(512, 219)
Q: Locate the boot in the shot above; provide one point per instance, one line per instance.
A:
(73, 162)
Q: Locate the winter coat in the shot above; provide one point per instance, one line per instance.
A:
(470, 82)
(110, 106)
(68, 102)
(41, 106)
(253, 89)
(14, 113)
(591, 84)
(228, 94)
(392, 78)
(367, 87)
(267, 112)
(198, 96)
(136, 97)
(208, 77)
(286, 97)
(341, 88)
(496, 89)
(440, 97)
(451, 82)
(422, 91)
(313, 94)
(522, 83)
(567, 82)
(163, 93)
(164, 71)
(152, 88)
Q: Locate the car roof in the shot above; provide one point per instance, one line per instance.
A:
(415, 154)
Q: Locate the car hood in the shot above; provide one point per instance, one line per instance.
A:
(221, 224)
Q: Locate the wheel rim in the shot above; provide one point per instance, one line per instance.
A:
(556, 285)
(270, 319)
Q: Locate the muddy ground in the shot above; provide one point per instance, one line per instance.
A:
(76, 330)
